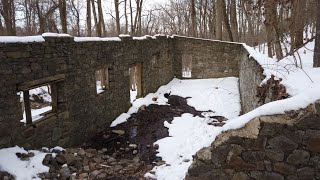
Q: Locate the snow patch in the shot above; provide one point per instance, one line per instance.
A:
(124, 35)
(203, 94)
(84, 39)
(144, 37)
(188, 134)
(55, 35)
(21, 39)
(22, 170)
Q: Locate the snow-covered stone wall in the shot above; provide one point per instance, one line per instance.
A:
(268, 147)
(81, 112)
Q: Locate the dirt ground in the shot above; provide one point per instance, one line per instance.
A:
(143, 129)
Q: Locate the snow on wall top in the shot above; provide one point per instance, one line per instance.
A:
(55, 35)
(207, 39)
(41, 38)
(21, 39)
(84, 39)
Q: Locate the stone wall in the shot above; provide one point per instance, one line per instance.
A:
(269, 147)
(81, 111)
(210, 59)
(250, 77)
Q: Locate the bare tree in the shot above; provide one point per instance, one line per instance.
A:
(233, 20)
(219, 18)
(226, 20)
(126, 17)
(8, 14)
(193, 19)
(88, 18)
(316, 58)
(271, 24)
(101, 26)
(95, 18)
(76, 14)
(63, 15)
(297, 23)
(116, 5)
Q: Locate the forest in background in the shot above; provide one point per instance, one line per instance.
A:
(254, 22)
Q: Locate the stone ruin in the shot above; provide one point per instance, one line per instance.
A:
(272, 147)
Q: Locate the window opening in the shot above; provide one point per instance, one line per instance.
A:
(135, 81)
(102, 80)
(36, 103)
(39, 98)
(186, 65)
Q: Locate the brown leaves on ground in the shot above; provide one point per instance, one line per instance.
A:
(273, 90)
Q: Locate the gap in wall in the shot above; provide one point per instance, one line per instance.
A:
(135, 81)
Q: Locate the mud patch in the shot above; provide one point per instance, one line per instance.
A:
(142, 129)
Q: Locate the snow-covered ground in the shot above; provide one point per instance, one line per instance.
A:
(187, 135)
(26, 169)
(205, 95)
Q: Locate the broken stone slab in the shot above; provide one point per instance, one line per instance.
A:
(134, 152)
(119, 132)
(133, 146)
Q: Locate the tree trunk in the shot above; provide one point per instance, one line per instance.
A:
(268, 23)
(77, 15)
(233, 19)
(27, 14)
(226, 21)
(316, 57)
(140, 17)
(219, 18)
(298, 22)
(131, 19)
(126, 17)
(95, 18)
(193, 18)
(7, 14)
(101, 25)
(204, 19)
(63, 15)
(116, 5)
(41, 19)
(1, 28)
(273, 36)
(88, 18)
